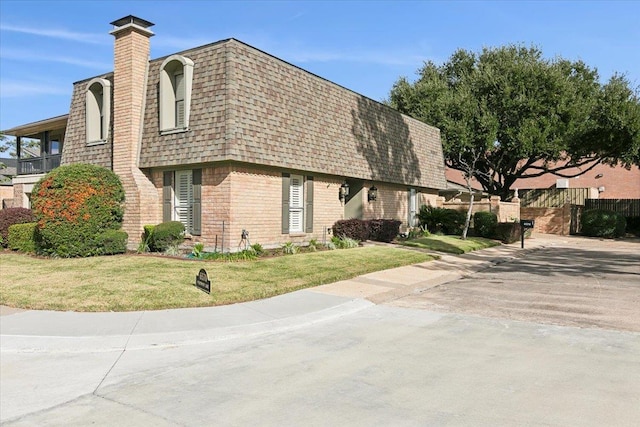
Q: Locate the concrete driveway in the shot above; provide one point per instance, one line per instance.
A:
(457, 362)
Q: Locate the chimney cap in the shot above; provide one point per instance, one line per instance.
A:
(132, 20)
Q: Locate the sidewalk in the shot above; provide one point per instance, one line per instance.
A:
(50, 331)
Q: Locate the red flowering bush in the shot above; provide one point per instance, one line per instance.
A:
(74, 205)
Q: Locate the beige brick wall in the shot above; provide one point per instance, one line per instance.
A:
(6, 195)
(142, 205)
(549, 220)
(393, 202)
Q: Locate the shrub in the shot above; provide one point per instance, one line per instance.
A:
(447, 221)
(633, 225)
(383, 230)
(510, 232)
(484, 224)
(602, 223)
(112, 242)
(74, 205)
(353, 228)
(11, 216)
(166, 235)
(23, 237)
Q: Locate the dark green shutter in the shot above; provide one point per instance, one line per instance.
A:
(308, 212)
(167, 183)
(197, 202)
(285, 203)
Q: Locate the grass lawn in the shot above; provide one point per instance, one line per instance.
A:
(143, 282)
(451, 244)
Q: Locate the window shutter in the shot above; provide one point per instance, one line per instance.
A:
(197, 202)
(180, 114)
(184, 199)
(167, 179)
(179, 96)
(296, 204)
(308, 213)
(285, 203)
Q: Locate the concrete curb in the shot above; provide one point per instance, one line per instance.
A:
(140, 341)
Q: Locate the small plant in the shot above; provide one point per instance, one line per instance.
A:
(343, 242)
(198, 250)
(145, 243)
(172, 250)
(330, 245)
(313, 245)
(257, 248)
(289, 248)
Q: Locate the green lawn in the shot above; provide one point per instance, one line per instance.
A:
(145, 282)
(451, 244)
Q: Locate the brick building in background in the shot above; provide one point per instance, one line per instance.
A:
(226, 138)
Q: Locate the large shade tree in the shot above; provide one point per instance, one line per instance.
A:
(508, 113)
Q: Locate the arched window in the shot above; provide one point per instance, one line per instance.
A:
(176, 76)
(98, 110)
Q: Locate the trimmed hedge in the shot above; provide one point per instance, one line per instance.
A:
(23, 237)
(379, 230)
(383, 230)
(112, 242)
(352, 228)
(166, 235)
(508, 232)
(74, 205)
(484, 224)
(441, 220)
(602, 223)
(11, 216)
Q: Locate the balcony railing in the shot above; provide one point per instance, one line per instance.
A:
(36, 165)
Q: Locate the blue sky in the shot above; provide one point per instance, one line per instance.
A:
(365, 46)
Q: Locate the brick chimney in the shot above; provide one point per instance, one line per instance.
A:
(131, 67)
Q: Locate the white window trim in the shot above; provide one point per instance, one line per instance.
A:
(189, 205)
(92, 109)
(167, 96)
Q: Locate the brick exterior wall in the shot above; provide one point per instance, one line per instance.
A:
(549, 220)
(142, 205)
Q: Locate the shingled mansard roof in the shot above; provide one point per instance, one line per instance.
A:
(249, 106)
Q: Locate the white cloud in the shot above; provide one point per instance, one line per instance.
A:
(39, 57)
(21, 88)
(58, 34)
